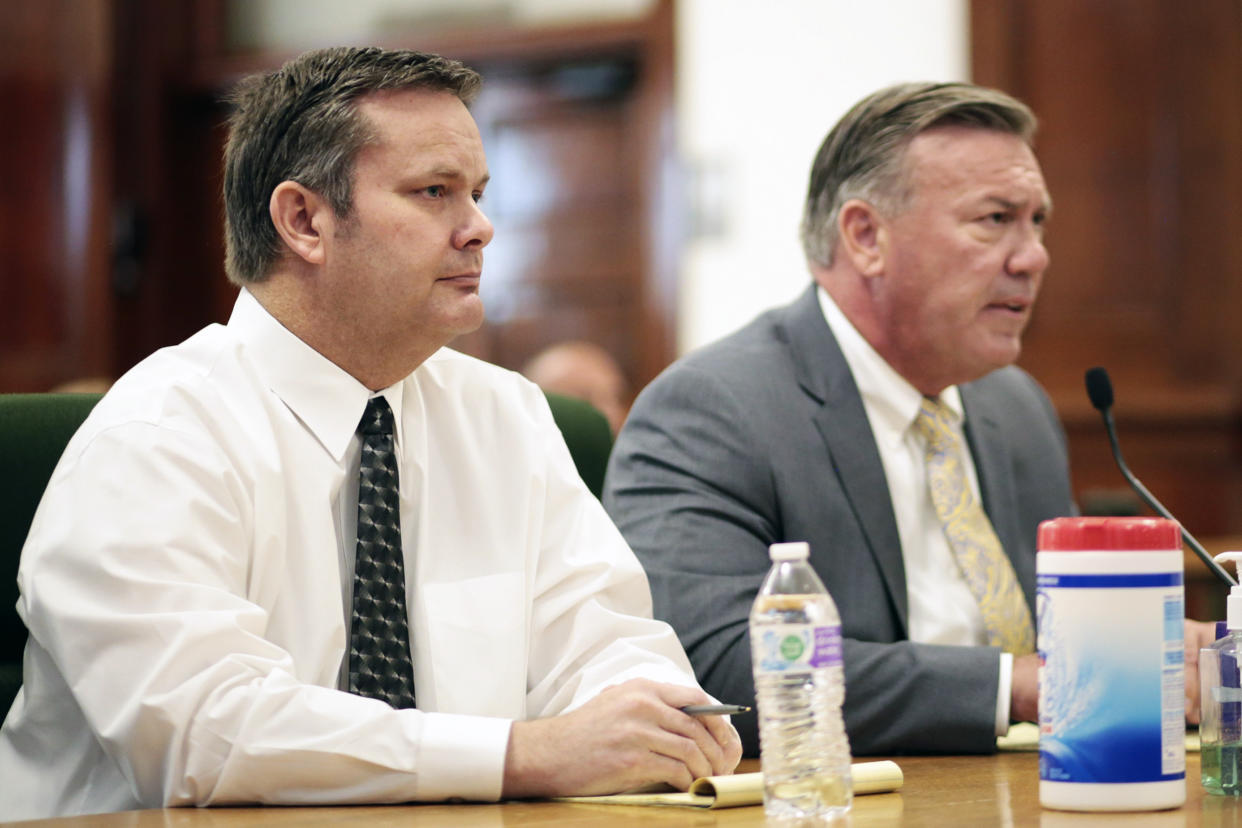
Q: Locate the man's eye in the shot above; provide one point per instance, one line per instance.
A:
(477, 195)
(998, 218)
(435, 190)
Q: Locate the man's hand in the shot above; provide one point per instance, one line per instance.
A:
(1199, 634)
(629, 735)
(1024, 689)
(1024, 698)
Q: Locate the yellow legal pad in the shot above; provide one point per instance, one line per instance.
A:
(745, 789)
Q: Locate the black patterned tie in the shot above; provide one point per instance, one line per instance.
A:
(379, 640)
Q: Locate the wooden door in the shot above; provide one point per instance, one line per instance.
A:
(1140, 103)
(577, 126)
(55, 171)
(576, 120)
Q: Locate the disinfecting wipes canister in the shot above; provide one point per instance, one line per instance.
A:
(1112, 707)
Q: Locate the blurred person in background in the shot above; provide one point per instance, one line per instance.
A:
(585, 371)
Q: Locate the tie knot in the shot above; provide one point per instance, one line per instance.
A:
(934, 422)
(377, 419)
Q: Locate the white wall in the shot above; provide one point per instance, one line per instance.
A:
(758, 87)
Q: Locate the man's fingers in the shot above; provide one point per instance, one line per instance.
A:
(726, 738)
(671, 771)
(685, 749)
(629, 735)
(719, 742)
(716, 738)
(1198, 634)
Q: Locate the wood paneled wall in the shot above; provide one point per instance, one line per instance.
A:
(55, 189)
(581, 113)
(110, 223)
(1140, 105)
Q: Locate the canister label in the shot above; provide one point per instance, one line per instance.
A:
(1112, 696)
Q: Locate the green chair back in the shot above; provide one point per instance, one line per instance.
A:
(587, 434)
(34, 429)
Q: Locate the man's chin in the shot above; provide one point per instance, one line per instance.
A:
(996, 354)
(1001, 356)
(1000, 342)
(468, 318)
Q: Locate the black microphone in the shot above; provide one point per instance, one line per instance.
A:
(1100, 390)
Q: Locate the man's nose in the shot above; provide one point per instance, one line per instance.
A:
(1031, 256)
(476, 230)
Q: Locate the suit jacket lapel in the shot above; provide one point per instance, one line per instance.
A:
(990, 451)
(842, 422)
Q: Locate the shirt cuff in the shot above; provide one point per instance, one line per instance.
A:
(462, 757)
(1004, 689)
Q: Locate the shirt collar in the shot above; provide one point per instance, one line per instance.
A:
(890, 398)
(327, 399)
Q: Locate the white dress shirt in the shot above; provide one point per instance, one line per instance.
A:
(187, 578)
(942, 609)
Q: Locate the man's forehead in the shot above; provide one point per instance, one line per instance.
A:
(416, 106)
(381, 98)
(432, 127)
(957, 140)
(965, 156)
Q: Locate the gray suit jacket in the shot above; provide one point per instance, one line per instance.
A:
(762, 437)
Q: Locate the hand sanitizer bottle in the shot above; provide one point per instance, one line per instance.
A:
(1220, 706)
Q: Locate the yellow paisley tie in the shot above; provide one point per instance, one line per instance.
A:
(978, 551)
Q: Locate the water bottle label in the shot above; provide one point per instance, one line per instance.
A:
(788, 648)
(1112, 703)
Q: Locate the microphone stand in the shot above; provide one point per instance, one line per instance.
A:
(1148, 498)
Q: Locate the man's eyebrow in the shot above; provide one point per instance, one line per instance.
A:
(1045, 205)
(452, 174)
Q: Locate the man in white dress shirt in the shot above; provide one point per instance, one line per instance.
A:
(923, 233)
(187, 579)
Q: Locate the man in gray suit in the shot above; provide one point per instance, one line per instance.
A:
(923, 231)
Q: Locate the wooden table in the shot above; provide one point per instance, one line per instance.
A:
(1001, 790)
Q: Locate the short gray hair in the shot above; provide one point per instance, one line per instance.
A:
(301, 123)
(862, 156)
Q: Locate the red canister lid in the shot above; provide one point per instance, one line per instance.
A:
(1107, 533)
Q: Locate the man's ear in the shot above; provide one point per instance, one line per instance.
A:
(300, 216)
(863, 237)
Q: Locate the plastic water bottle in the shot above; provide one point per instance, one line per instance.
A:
(795, 638)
